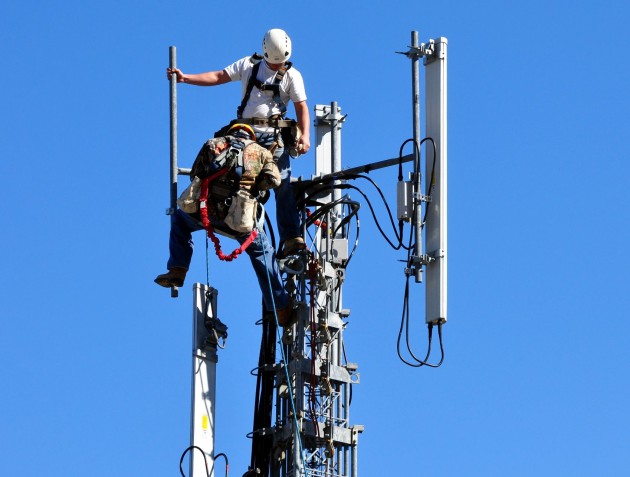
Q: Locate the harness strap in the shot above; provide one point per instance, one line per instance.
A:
(205, 220)
(275, 87)
(254, 81)
(248, 91)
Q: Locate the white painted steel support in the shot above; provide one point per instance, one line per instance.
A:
(335, 127)
(203, 393)
(323, 146)
(436, 226)
(328, 123)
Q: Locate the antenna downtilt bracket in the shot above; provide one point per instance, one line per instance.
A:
(422, 50)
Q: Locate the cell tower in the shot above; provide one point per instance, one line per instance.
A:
(302, 425)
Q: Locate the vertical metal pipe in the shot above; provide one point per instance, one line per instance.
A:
(173, 108)
(336, 154)
(296, 451)
(417, 220)
(346, 450)
(336, 305)
(335, 146)
(341, 415)
(355, 460)
(302, 283)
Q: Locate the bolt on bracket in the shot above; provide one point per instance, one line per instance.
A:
(415, 52)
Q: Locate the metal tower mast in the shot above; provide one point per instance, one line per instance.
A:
(312, 434)
(302, 424)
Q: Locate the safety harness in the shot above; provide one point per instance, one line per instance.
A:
(235, 197)
(205, 220)
(274, 87)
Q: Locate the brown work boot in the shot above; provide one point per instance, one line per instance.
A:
(174, 278)
(293, 245)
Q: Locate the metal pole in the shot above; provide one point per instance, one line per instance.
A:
(346, 449)
(336, 154)
(173, 108)
(417, 220)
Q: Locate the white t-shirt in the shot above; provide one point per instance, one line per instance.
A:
(261, 103)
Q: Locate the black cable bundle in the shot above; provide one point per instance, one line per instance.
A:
(262, 442)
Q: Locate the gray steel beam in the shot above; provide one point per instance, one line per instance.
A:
(417, 220)
(173, 128)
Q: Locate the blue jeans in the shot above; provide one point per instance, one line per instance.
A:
(260, 251)
(287, 215)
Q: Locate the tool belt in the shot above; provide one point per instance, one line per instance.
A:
(284, 125)
(277, 123)
(288, 129)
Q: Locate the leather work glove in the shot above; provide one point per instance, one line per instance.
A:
(269, 176)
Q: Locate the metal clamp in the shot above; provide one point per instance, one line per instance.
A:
(329, 117)
(420, 197)
(439, 253)
(217, 332)
(415, 52)
(421, 260)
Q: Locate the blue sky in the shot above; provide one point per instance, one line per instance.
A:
(95, 358)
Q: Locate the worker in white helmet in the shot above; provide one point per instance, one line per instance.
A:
(265, 95)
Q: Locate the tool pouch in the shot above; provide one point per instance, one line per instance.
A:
(189, 199)
(290, 137)
(241, 215)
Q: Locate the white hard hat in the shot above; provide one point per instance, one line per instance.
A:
(276, 46)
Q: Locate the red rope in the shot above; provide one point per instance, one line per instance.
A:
(203, 197)
(203, 212)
